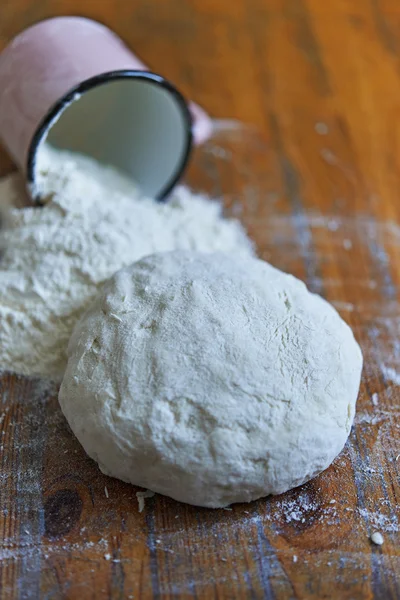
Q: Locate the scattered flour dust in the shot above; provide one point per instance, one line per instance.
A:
(390, 374)
(54, 259)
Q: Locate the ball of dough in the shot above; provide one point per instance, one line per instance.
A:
(210, 379)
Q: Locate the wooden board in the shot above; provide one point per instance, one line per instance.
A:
(317, 183)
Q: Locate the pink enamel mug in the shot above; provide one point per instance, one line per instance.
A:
(72, 82)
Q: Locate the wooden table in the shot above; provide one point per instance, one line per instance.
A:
(317, 183)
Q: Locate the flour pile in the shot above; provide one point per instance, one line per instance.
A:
(55, 258)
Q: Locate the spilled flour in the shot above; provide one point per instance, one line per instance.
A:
(55, 258)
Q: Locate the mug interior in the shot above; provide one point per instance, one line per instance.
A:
(134, 121)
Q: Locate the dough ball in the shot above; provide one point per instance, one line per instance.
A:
(210, 379)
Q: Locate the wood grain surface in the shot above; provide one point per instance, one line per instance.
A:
(317, 182)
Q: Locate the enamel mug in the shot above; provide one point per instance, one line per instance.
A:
(73, 83)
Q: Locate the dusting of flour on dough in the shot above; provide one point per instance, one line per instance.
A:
(223, 380)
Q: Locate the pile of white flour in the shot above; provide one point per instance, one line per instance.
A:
(54, 259)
